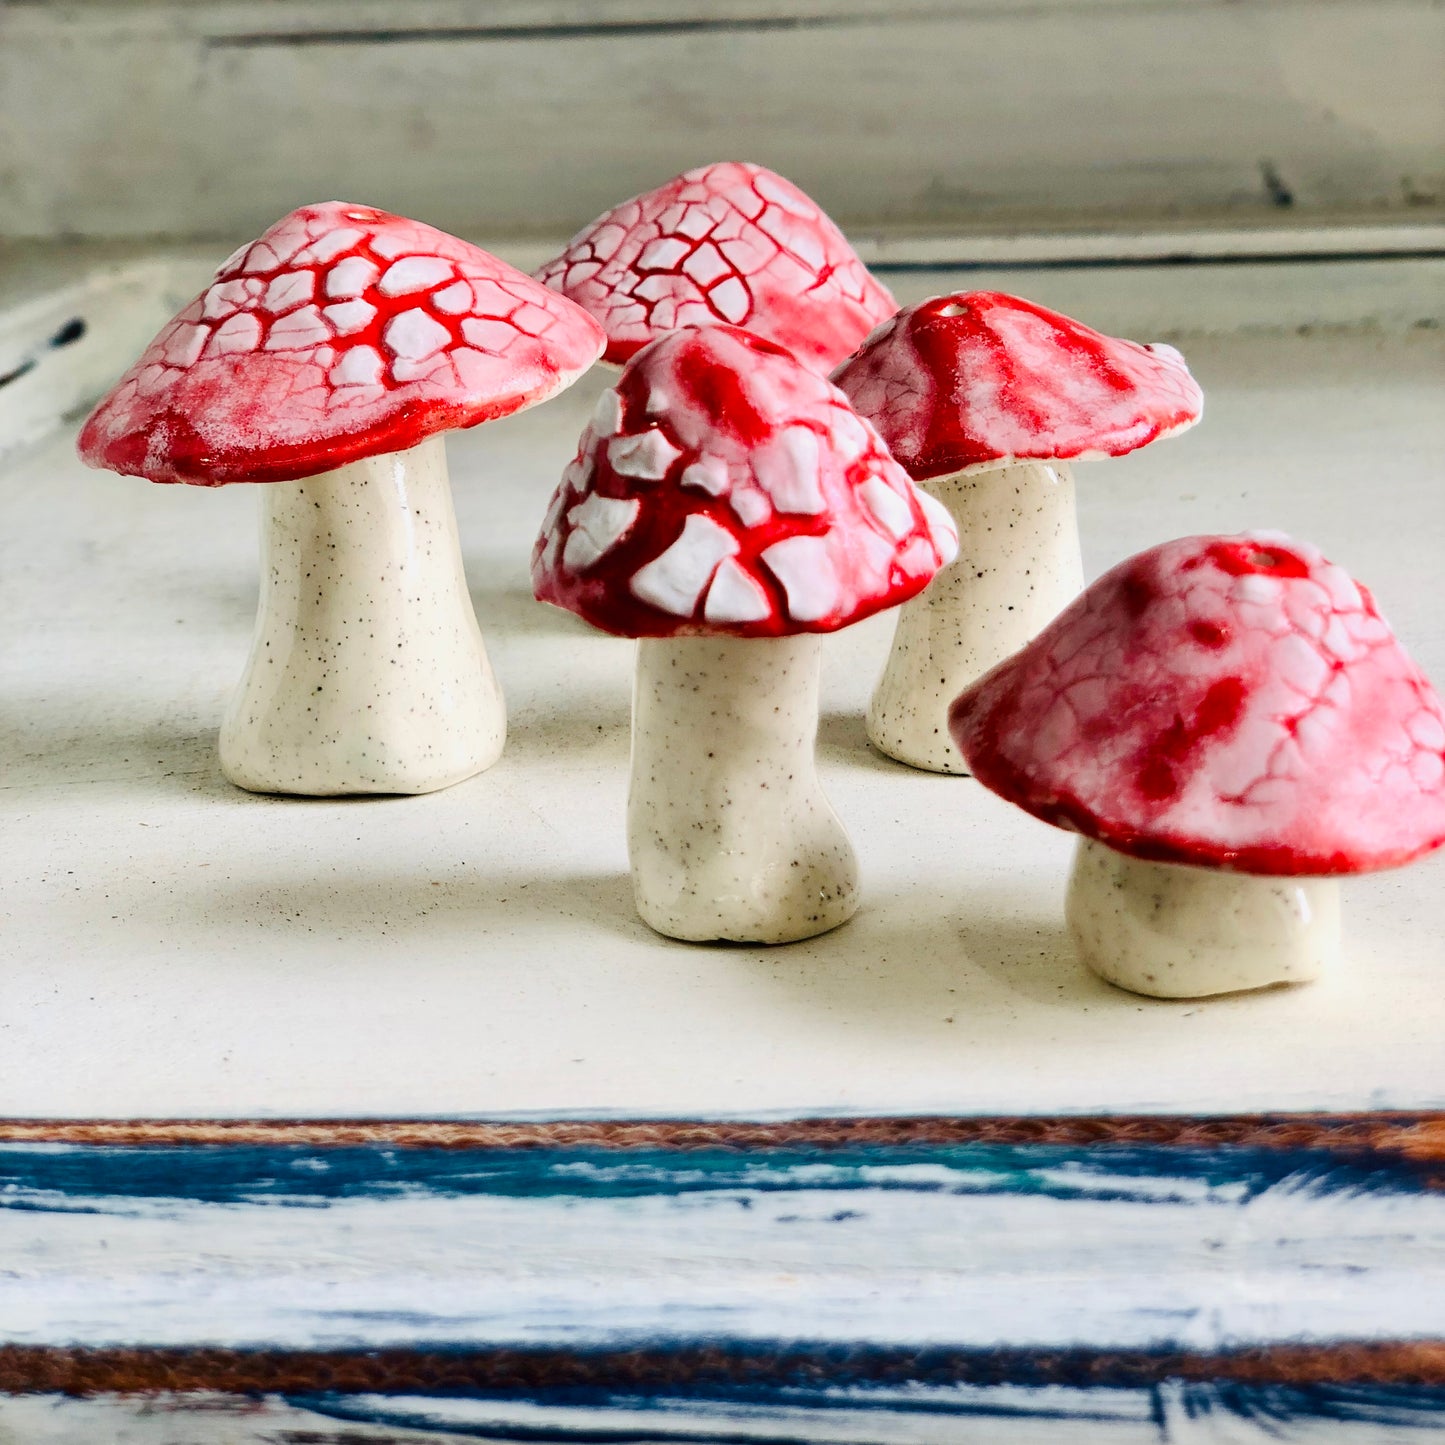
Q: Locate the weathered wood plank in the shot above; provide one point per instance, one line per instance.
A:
(72, 318)
(1391, 1137)
(144, 119)
(871, 1291)
(1113, 1247)
(1211, 1413)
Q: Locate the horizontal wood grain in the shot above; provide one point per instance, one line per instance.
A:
(1419, 1137)
(208, 119)
(900, 1239)
(26, 1369)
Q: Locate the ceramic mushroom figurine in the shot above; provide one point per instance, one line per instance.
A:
(726, 506)
(327, 359)
(1230, 725)
(986, 399)
(728, 244)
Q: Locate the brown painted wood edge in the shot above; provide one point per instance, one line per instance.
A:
(1416, 1136)
(41, 1369)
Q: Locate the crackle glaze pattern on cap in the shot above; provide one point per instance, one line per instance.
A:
(979, 377)
(725, 488)
(727, 244)
(342, 332)
(1235, 702)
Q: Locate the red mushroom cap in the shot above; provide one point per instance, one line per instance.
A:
(724, 488)
(1231, 702)
(979, 377)
(728, 244)
(341, 333)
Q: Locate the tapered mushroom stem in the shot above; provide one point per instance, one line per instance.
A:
(367, 673)
(1175, 931)
(1018, 567)
(728, 830)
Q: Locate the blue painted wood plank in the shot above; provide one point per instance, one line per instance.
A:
(905, 1292)
(971, 1246)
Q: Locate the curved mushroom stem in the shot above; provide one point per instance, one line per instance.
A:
(1173, 931)
(367, 673)
(1018, 567)
(728, 830)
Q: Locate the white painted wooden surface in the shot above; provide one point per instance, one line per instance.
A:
(155, 117)
(169, 945)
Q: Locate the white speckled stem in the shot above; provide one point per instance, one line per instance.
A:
(367, 673)
(1018, 567)
(728, 830)
(1172, 931)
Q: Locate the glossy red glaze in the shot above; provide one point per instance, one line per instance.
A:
(728, 244)
(1235, 702)
(725, 488)
(341, 333)
(979, 377)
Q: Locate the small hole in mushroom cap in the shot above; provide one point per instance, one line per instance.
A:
(1240, 557)
(953, 308)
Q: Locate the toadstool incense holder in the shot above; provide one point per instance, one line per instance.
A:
(1231, 726)
(986, 399)
(326, 360)
(727, 507)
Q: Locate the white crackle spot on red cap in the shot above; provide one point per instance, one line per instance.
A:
(730, 489)
(979, 377)
(1234, 702)
(598, 524)
(341, 333)
(725, 244)
(646, 456)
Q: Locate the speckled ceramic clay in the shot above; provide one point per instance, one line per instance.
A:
(1170, 930)
(318, 362)
(726, 505)
(729, 833)
(1231, 726)
(985, 398)
(1017, 569)
(367, 673)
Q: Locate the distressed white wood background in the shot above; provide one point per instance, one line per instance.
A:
(211, 117)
